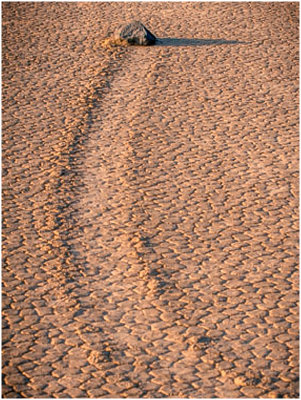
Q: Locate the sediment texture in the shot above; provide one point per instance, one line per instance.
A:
(150, 205)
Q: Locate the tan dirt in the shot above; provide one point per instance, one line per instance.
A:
(150, 201)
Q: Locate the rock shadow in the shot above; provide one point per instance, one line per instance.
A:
(194, 42)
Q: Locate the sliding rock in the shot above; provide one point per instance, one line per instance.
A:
(135, 33)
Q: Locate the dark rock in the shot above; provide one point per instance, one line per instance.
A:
(135, 33)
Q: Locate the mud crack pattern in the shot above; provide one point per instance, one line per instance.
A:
(150, 202)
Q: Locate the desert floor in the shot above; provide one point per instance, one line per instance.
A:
(150, 205)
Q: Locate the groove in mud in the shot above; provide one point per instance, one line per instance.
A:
(65, 190)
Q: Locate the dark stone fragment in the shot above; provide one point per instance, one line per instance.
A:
(135, 33)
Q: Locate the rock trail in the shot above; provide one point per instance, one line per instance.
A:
(150, 197)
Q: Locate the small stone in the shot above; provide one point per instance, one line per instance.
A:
(240, 381)
(135, 33)
(250, 391)
(273, 394)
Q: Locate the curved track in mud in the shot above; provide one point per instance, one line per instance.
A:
(149, 201)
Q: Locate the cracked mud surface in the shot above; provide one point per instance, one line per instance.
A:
(150, 201)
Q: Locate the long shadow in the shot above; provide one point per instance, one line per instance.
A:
(194, 42)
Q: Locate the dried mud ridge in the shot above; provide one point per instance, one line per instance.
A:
(150, 227)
